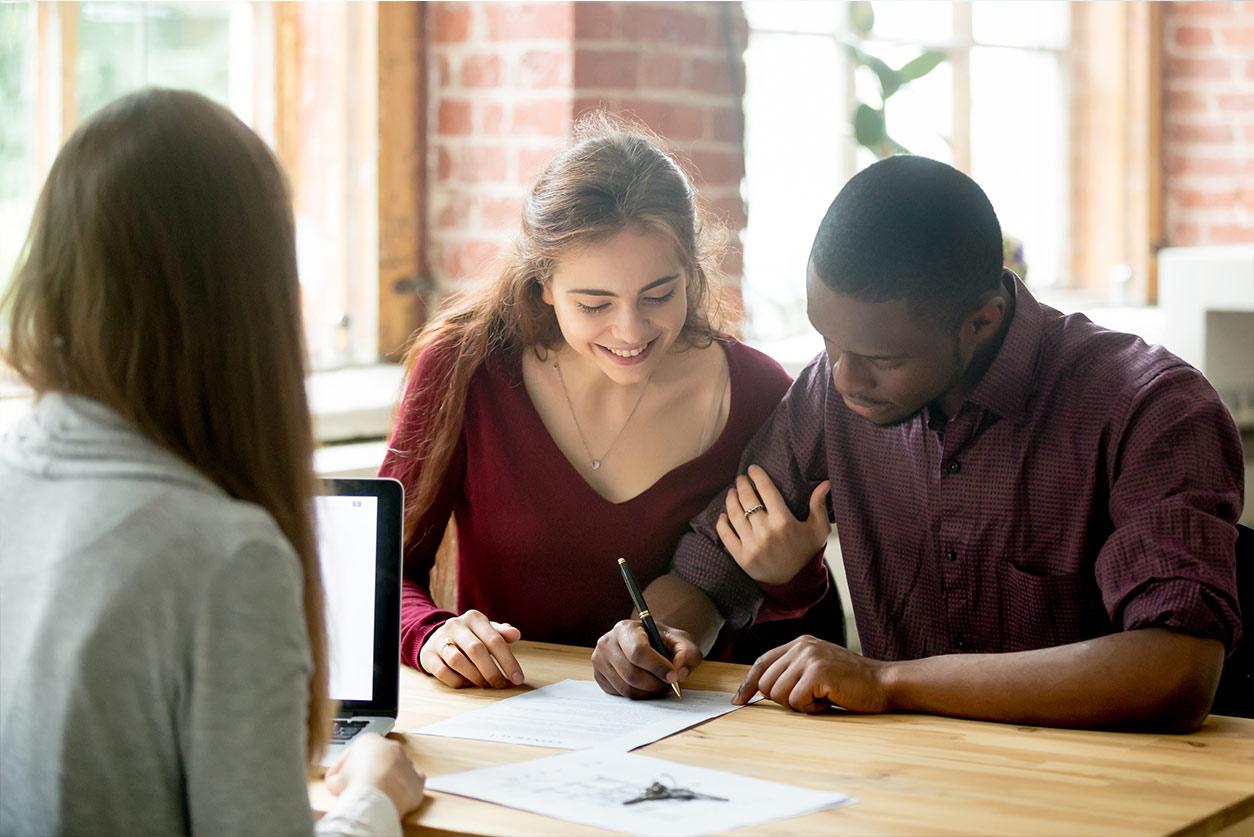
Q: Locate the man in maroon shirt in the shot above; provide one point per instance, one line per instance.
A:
(1035, 514)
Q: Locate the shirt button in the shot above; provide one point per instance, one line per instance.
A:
(951, 555)
(952, 466)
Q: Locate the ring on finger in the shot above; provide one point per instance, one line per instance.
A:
(752, 509)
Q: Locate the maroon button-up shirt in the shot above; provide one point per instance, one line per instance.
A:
(1088, 485)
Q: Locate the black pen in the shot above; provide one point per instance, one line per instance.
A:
(646, 618)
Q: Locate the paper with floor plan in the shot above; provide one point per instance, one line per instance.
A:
(590, 787)
(576, 714)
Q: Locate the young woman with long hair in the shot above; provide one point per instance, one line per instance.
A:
(580, 407)
(163, 667)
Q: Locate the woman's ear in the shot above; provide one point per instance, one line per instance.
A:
(546, 291)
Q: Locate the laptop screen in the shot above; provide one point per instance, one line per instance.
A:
(359, 545)
(346, 545)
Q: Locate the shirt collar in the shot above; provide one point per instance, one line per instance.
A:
(1007, 385)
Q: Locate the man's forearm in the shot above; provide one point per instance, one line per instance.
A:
(677, 603)
(1145, 678)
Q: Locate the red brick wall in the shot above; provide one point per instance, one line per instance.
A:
(1208, 116)
(509, 80)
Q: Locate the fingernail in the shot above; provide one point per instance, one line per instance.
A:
(517, 678)
(681, 674)
(671, 677)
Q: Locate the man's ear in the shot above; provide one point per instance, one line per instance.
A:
(982, 324)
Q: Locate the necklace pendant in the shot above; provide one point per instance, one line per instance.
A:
(596, 464)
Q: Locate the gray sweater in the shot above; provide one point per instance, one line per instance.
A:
(154, 662)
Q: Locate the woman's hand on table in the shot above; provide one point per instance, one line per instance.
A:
(624, 663)
(380, 763)
(472, 650)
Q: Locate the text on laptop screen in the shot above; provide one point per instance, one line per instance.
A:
(346, 544)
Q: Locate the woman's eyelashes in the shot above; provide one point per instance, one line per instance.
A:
(648, 300)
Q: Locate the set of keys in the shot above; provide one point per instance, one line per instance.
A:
(657, 791)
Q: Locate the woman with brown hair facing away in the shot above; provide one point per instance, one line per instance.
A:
(581, 407)
(163, 668)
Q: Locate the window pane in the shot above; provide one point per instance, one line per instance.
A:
(1019, 151)
(17, 131)
(920, 114)
(110, 54)
(795, 15)
(1029, 23)
(917, 21)
(795, 136)
(125, 46)
(188, 46)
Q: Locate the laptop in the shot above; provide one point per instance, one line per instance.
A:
(359, 546)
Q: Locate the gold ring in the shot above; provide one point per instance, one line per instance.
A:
(448, 643)
(756, 508)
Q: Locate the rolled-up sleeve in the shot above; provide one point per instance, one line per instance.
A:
(1176, 476)
(790, 448)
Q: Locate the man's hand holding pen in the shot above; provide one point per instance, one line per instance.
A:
(625, 664)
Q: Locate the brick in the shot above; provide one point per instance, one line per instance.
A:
(481, 71)
(728, 211)
(1200, 133)
(1199, 68)
(1213, 166)
(663, 22)
(547, 118)
(541, 69)
(484, 164)
(530, 21)
(726, 125)
(492, 118)
(467, 259)
(708, 75)
(443, 75)
(444, 164)
(1249, 69)
(596, 21)
(585, 105)
(450, 22)
(607, 69)
(1185, 100)
(500, 213)
(1203, 199)
(663, 71)
(1236, 101)
(1183, 233)
(455, 213)
(1218, 8)
(1229, 234)
(453, 117)
(732, 266)
(532, 162)
(674, 122)
(1238, 36)
(718, 167)
(1188, 36)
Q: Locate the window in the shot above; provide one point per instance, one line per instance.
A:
(997, 108)
(302, 75)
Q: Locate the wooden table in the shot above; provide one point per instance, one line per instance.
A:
(912, 774)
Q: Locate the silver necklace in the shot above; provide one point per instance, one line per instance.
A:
(596, 461)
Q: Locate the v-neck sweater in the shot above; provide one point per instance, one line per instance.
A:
(537, 546)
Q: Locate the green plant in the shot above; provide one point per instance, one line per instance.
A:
(870, 127)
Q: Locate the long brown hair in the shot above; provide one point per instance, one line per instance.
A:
(159, 278)
(612, 176)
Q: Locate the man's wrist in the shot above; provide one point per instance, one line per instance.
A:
(893, 677)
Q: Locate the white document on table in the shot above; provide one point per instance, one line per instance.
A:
(591, 786)
(576, 714)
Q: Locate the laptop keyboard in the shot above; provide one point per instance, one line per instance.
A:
(342, 730)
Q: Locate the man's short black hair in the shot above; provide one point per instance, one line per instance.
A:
(911, 228)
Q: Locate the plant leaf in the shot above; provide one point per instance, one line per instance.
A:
(922, 65)
(888, 77)
(861, 17)
(868, 127)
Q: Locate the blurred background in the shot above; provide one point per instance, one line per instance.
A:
(1116, 141)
